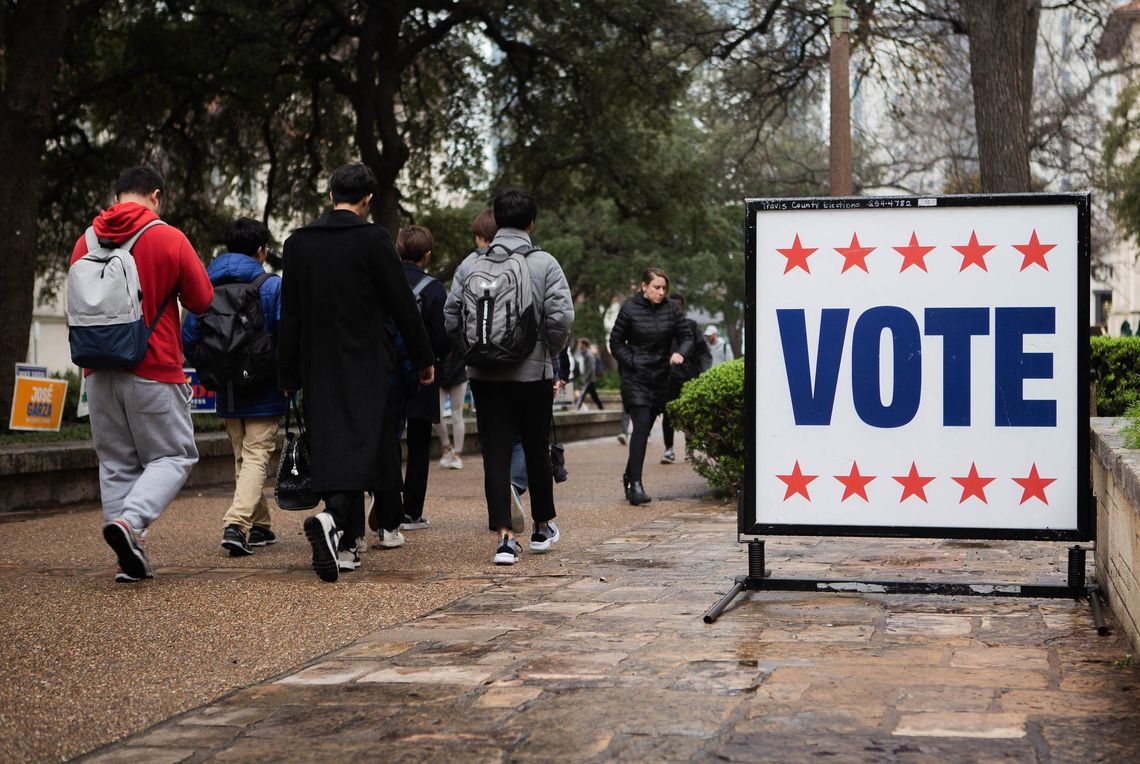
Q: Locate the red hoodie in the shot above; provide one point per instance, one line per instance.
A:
(166, 264)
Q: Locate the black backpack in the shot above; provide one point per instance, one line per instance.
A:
(236, 349)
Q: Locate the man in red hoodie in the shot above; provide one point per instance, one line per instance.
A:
(140, 418)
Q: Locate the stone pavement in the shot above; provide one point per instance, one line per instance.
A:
(602, 655)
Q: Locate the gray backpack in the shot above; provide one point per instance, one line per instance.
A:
(498, 315)
(105, 323)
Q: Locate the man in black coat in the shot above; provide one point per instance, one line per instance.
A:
(343, 287)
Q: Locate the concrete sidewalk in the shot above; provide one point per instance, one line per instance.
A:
(602, 655)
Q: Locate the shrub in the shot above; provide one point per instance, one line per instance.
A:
(710, 412)
(1114, 362)
(610, 380)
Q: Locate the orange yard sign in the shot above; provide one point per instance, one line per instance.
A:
(37, 404)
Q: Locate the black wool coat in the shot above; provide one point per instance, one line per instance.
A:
(343, 288)
(644, 336)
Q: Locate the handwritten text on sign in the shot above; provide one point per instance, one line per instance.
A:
(916, 367)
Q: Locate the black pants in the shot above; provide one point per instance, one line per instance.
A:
(418, 434)
(347, 510)
(504, 410)
(592, 389)
(675, 386)
(389, 507)
(642, 418)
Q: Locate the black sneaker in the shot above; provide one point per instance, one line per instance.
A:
(259, 536)
(508, 552)
(320, 530)
(233, 539)
(543, 537)
(410, 523)
(128, 547)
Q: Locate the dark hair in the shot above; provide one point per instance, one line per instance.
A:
(351, 183)
(677, 298)
(515, 208)
(246, 236)
(651, 273)
(413, 242)
(139, 180)
(484, 225)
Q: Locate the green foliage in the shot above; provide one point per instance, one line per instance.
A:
(1114, 362)
(1131, 428)
(610, 380)
(710, 412)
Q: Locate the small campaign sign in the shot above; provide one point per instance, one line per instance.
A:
(918, 367)
(203, 401)
(37, 403)
(31, 370)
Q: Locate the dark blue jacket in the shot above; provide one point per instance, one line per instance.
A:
(422, 401)
(234, 266)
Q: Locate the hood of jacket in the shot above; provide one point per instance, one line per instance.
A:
(120, 221)
(234, 266)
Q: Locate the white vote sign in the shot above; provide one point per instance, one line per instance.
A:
(919, 366)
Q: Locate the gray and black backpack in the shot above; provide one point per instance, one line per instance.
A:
(498, 315)
(105, 323)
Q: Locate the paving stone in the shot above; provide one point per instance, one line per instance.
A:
(508, 697)
(183, 736)
(945, 699)
(466, 676)
(635, 711)
(657, 748)
(227, 716)
(331, 672)
(962, 724)
(1000, 657)
(375, 649)
(141, 755)
(927, 625)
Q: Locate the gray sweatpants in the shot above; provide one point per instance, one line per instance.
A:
(144, 439)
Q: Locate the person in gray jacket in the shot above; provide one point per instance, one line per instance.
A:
(517, 399)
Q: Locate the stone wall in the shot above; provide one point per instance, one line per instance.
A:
(1116, 483)
(50, 475)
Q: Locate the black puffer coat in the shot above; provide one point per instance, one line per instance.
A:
(642, 340)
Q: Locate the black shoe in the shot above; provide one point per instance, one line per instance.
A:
(323, 536)
(259, 536)
(625, 482)
(233, 539)
(637, 494)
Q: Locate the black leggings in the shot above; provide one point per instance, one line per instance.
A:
(642, 418)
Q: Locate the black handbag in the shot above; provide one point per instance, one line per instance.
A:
(292, 490)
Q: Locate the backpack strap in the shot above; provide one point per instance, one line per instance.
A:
(93, 242)
(257, 282)
(421, 285)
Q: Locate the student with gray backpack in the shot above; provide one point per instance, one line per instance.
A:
(233, 347)
(128, 273)
(511, 310)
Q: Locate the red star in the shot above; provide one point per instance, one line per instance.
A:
(797, 482)
(973, 253)
(1034, 252)
(854, 255)
(913, 253)
(1034, 485)
(913, 484)
(854, 483)
(797, 255)
(972, 485)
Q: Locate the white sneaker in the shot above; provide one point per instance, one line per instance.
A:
(347, 559)
(456, 463)
(320, 530)
(668, 457)
(445, 460)
(507, 553)
(542, 538)
(388, 539)
(518, 516)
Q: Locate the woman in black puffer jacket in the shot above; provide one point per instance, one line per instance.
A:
(642, 341)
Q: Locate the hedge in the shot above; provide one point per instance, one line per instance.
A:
(1114, 363)
(710, 411)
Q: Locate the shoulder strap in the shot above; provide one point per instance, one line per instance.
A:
(257, 282)
(91, 239)
(421, 285)
(129, 243)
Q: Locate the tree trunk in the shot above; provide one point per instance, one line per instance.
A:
(1003, 42)
(34, 35)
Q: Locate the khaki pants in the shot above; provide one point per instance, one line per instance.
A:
(253, 441)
